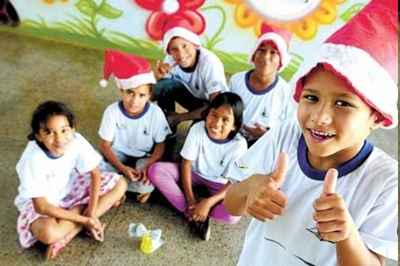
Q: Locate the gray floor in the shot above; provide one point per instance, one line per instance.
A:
(34, 70)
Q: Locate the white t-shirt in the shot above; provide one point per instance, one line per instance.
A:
(367, 183)
(41, 175)
(134, 135)
(208, 77)
(269, 107)
(209, 157)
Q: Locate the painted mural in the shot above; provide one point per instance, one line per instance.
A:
(228, 27)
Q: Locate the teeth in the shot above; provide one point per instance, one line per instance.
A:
(320, 133)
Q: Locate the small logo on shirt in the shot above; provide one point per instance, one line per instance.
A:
(264, 114)
(50, 176)
(121, 126)
(146, 132)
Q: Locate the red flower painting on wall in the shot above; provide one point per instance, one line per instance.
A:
(164, 10)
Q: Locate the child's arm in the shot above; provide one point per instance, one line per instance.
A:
(193, 115)
(106, 150)
(43, 207)
(158, 152)
(334, 223)
(259, 195)
(94, 192)
(187, 182)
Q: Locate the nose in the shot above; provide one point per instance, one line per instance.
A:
(179, 53)
(59, 138)
(217, 123)
(323, 115)
(134, 99)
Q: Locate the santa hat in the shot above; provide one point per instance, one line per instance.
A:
(364, 54)
(280, 38)
(178, 27)
(129, 71)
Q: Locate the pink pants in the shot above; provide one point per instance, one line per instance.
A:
(165, 177)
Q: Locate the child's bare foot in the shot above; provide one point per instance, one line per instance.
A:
(53, 250)
(119, 202)
(143, 198)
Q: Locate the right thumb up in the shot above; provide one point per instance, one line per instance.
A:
(279, 174)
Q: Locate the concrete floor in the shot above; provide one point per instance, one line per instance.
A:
(35, 70)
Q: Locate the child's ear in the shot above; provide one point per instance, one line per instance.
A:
(37, 137)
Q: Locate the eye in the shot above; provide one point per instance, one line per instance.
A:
(142, 95)
(343, 103)
(310, 98)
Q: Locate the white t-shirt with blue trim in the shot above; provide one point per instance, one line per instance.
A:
(367, 183)
(42, 175)
(134, 135)
(208, 76)
(269, 107)
(209, 157)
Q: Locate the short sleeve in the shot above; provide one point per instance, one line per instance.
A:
(88, 157)
(214, 75)
(32, 180)
(190, 150)
(108, 125)
(162, 127)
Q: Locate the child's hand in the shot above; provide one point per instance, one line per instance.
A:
(265, 200)
(191, 206)
(162, 70)
(173, 119)
(334, 222)
(143, 176)
(131, 173)
(201, 210)
(257, 131)
(96, 228)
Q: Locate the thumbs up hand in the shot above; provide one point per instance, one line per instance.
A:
(334, 222)
(265, 200)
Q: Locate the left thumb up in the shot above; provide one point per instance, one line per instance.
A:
(330, 182)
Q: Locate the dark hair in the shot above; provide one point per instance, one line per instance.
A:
(46, 110)
(235, 102)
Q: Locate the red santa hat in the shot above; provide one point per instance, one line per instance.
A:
(129, 71)
(179, 27)
(364, 54)
(279, 37)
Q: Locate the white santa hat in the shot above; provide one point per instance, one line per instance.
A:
(129, 71)
(280, 38)
(364, 53)
(179, 28)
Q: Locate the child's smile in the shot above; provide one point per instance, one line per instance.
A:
(320, 136)
(334, 120)
(56, 135)
(220, 122)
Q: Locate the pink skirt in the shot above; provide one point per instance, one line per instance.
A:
(79, 195)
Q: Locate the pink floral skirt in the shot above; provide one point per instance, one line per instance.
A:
(79, 195)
